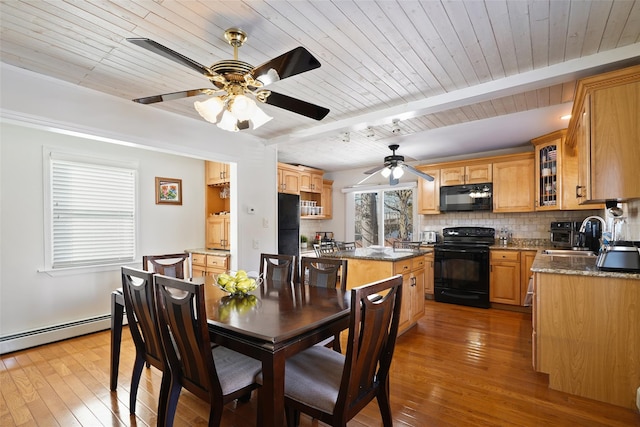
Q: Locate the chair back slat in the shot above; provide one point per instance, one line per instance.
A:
(371, 342)
(183, 327)
(323, 272)
(277, 268)
(139, 301)
(172, 265)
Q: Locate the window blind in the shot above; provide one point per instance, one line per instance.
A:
(93, 214)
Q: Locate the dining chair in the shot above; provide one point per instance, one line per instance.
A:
(326, 273)
(332, 387)
(324, 248)
(403, 244)
(174, 265)
(217, 375)
(276, 268)
(140, 306)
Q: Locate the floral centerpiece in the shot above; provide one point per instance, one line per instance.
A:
(237, 284)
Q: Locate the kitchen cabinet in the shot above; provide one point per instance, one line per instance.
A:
(428, 275)
(362, 271)
(585, 335)
(311, 180)
(513, 185)
(429, 192)
(327, 198)
(208, 264)
(526, 261)
(605, 130)
(470, 174)
(556, 174)
(217, 173)
(288, 179)
(504, 282)
(217, 232)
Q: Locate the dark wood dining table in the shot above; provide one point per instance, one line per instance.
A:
(273, 323)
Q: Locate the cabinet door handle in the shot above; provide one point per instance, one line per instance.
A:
(578, 195)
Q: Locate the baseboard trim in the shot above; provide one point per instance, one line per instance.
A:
(51, 334)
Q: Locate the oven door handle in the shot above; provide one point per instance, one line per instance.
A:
(464, 251)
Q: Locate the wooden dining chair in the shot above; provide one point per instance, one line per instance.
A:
(173, 265)
(402, 244)
(332, 387)
(140, 306)
(276, 268)
(324, 248)
(346, 246)
(217, 375)
(326, 273)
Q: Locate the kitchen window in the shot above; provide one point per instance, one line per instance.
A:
(91, 212)
(381, 216)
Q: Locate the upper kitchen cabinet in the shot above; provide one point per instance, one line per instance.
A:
(556, 173)
(288, 179)
(327, 198)
(310, 180)
(604, 129)
(217, 173)
(513, 186)
(470, 174)
(429, 192)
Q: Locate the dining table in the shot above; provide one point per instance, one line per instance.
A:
(276, 321)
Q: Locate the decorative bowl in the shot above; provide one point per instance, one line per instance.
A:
(238, 283)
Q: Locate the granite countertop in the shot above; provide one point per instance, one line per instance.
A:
(574, 265)
(387, 255)
(205, 251)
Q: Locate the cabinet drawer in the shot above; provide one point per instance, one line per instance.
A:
(199, 259)
(402, 267)
(219, 262)
(505, 256)
(418, 263)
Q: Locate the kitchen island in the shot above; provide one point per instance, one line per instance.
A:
(585, 328)
(365, 265)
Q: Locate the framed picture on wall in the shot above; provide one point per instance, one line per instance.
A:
(168, 191)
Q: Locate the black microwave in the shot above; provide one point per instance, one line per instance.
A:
(471, 197)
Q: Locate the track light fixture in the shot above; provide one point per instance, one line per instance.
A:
(346, 137)
(395, 128)
(370, 133)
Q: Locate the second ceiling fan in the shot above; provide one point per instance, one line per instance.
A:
(394, 167)
(238, 84)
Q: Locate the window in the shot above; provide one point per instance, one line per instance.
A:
(383, 216)
(93, 215)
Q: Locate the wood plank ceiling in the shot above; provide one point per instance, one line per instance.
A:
(461, 76)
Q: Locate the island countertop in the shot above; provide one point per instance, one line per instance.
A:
(574, 265)
(387, 255)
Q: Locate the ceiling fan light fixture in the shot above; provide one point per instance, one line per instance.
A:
(386, 172)
(242, 107)
(228, 122)
(397, 172)
(259, 118)
(210, 109)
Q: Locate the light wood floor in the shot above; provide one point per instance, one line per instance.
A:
(459, 367)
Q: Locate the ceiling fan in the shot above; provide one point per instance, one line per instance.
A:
(394, 167)
(237, 84)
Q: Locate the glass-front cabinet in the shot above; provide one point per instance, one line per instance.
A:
(548, 185)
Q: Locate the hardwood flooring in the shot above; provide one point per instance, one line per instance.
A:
(459, 367)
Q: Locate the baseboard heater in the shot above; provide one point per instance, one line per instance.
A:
(51, 334)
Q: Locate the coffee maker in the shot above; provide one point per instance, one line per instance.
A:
(590, 238)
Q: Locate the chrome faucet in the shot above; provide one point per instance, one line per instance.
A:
(583, 227)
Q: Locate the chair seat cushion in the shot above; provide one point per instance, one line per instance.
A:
(235, 370)
(313, 377)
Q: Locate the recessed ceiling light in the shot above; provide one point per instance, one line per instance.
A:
(565, 117)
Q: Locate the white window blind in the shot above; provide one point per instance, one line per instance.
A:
(93, 214)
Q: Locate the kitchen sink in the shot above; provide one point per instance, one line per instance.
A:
(568, 252)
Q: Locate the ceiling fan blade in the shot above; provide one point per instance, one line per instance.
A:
(173, 95)
(374, 170)
(417, 172)
(288, 64)
(161, 50)
(297, 106)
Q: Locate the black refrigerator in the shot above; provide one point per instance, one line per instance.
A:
(289, 224)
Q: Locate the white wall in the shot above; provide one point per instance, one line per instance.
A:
(37, 110)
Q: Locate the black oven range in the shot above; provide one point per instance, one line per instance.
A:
(461, 266)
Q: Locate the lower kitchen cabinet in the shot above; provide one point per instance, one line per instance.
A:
(208, 264)
(504, 286)
(428, 275)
